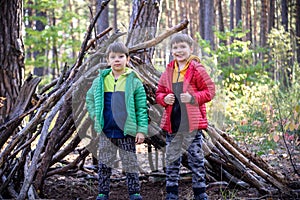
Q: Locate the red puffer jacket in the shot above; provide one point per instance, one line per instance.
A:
(198, 83)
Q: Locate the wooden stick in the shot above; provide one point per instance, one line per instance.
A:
(213, 133)
(160, 38)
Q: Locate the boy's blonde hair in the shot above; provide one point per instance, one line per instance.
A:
(181, 37)
(117, 47)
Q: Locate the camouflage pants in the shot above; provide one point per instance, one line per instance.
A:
(192, 143)
(108, 148)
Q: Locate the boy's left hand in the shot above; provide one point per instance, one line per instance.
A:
(139, 138)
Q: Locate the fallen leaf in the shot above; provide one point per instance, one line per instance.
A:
(276, 138)
(284, 155)
(272, 152)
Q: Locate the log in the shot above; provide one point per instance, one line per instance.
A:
(253, 158)
(17, 113)
(282, 186)
(53, 139)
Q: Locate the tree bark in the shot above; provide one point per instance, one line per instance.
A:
(221, 17)
(201, 18)
(39, 68)
(271, 16)
(238, 13)
(298, 30)
(11, 54)
(284, 15)
(263, 25)
(231, 15)
(115, 15)
(102, 22)
(143, 27)
(208, 23)
(248, 21)
(221, 21)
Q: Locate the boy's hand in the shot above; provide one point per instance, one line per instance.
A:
(139, 138)
(169, 99)
(185, 97)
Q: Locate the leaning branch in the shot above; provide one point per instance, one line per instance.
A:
(86, 39)
(150, 43)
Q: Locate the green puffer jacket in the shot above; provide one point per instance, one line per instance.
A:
(135, 100)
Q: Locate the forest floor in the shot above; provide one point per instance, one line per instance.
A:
(83, 185)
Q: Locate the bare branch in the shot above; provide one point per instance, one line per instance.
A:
(160, 38)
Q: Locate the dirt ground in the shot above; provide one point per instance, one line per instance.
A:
(83, 186)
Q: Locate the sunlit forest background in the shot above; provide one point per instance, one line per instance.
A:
(252, 52)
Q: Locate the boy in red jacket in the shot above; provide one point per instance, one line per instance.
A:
(183, 90)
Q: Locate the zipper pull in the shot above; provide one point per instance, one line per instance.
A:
(115, 84)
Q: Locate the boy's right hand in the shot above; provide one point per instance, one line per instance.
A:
(169, 99)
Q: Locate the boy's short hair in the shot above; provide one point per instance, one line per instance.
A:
(181, 37)
(117, 47)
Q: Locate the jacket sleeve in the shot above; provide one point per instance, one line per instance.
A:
(90, 102)
(205, 86)
(141, 109)
(162, 90)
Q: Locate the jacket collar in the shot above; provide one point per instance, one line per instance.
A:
(190, 60)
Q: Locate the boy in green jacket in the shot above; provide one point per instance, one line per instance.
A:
(116, 102)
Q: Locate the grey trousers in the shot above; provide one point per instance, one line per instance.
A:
(108, 148)
(192, 143)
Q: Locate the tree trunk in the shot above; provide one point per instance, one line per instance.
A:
(193, 18)
(231, 15)
(103, 21)
(221, 17)
(271, 16)
(255, 31)
(55, 70)
(54, 17)
(208, 23)
(238, 13)
(248, 21)
(40, 68)
(11, 54)
(183, 5)
(284, 15)
(263, 25)
(201, 18)
(298, 29)
(221, 21)
(231, 27)
(176, 11)
(168, 15)
(115, 15)
(29, 25)
(143, 26)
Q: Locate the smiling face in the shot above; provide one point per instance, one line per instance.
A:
(182, 47)
(181, 51)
